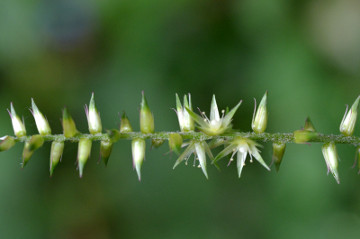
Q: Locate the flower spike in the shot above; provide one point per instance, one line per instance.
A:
(260, 117)
(186, 122)
(242, 147)
(93, 117)
(348, 122)
(331, 159)
(215, 125)
(41, 122)
(18, 125)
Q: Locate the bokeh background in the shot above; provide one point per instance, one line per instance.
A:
(305, 53)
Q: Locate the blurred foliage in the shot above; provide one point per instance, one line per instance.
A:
(305, 53)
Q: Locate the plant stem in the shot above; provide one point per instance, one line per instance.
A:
(264, 137)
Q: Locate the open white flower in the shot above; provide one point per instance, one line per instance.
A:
(215, 125)
(199, 149)
(242, 147)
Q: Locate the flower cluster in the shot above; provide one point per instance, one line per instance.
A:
(199, 135)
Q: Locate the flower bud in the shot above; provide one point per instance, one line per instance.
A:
(331, 159)
(278, 153)
(146, 117)
(18, 125)
(84, 151)
(306, 134)
(186, 122)
(6, 143)
(348, 122)
(156, 143)
(125, 126)
(260, 117)
(175, 142)
(105, 150)
(138, 154)
(35, 142)
(41, 122)
(93, 117)
(68, 124)
(57, 148)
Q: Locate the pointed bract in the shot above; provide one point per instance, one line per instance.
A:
(309, 126)
(105, 150)
(84, 151)
(138, 147)
(69, 127)
(260, 117)
(6, 142)
(18, 125)
(146, 117)
(93, 117)
(331, 159)
(57, 148)
(41, 122)
(35, 142)
(348, 122)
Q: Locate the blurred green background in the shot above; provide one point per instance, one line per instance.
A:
(305, 53)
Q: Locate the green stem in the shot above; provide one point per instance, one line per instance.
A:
(264, 137)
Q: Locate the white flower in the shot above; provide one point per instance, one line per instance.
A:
(215, 125)
(331, 159)
(242, 147)
(199, 149)
(186, 123)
